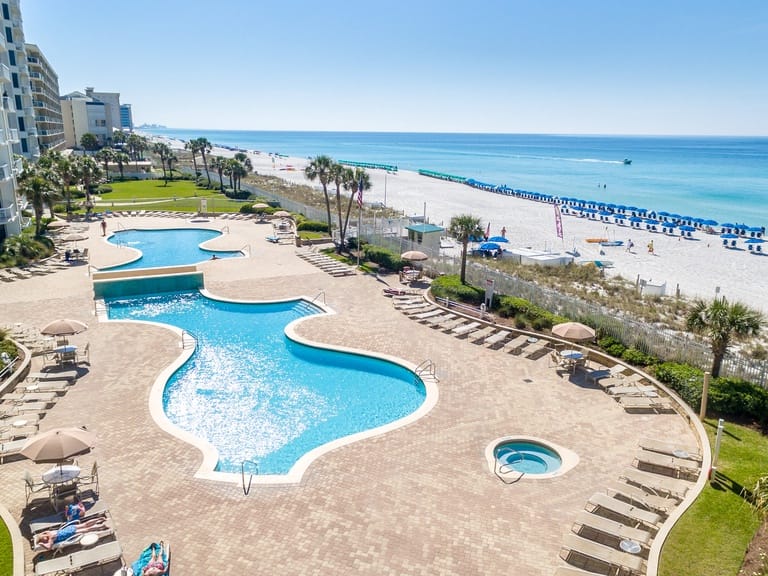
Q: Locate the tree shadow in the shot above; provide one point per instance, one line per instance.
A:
(723, 482)
(726, 432)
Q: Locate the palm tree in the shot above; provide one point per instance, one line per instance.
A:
(218, 163)
(34, 183)
(193, 146)
(89, 142)
(119, 137)
(163, 150)
(89, 172)
(69, 173)
(136, 145)
(204, 147)
(122, 158)
(352, 182)
(339, 175)
(319, 168)
(462, 227)
(170, 159)
(722, 322)
(105, 155)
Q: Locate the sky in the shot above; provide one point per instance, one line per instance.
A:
(686, 67)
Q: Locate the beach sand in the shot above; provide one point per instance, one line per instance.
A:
(699, 267)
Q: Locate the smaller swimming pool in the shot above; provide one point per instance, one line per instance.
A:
(518, 457)
(528, 457)
(168, 247)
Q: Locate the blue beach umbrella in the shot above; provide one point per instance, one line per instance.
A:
(663, 213)
(727, 225)
(710, 222)
(754, 241)
(729, 236)
(498, 239)
(635, 219)
(651, 221)
(686, 228)
(489, 246)
(619, 217)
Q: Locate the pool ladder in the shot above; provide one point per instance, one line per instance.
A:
(188, 340)
(427, 369)
(502, 470)
(247, 488)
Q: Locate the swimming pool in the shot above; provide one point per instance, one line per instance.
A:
(169, 247)
(255, 394)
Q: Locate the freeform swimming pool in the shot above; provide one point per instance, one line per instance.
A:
(255, 394)
(169, 247)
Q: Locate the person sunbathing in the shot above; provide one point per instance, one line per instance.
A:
(50, 538)
(156, 564)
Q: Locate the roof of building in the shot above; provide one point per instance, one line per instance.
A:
(424, 228)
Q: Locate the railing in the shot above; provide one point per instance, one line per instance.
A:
(225, 229)
(247, 489)
(502, 474)
(321, 293)
(186, 338)
(7, 214)
(5, 73)
(100, 308)
(8, 368)
(245, 247)
(427, 368)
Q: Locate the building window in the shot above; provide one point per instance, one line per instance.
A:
(6, 11)
(21, 125)
(8, 34)
(24, 147)
(17, 98)
(15, 78)
(12, 57)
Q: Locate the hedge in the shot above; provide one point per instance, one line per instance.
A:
(383, 257)
(312, 226)
(450, 287)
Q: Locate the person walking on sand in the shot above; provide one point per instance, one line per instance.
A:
(103, 227)
(630, 245)
(650, 247)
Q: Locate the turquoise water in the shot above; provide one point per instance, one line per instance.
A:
(173, 247)
(720, 178)
(527, 457)
(256, 395)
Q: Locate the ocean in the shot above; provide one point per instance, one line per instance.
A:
(719, 178)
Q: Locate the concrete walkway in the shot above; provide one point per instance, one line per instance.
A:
(419, 500)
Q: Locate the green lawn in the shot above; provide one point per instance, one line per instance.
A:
(6, 551)
(712, 536)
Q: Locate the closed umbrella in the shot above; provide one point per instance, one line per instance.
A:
(413, 256)
(58, 444)
(573, 331)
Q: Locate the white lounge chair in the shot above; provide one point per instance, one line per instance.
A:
(11, 448)
(587, 522)
(676, 450)
(465, 329)
(656, 483)
(604, 505)
(613, 558)
(635, 495)
(80, 560)
(676, 466)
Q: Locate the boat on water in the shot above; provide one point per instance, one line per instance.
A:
(627, 161)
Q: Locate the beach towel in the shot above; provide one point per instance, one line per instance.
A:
(138, 567)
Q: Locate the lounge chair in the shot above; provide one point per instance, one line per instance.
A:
(634, 495)
(48, 386)
(30, 397)
(31, 487)
(676, 450)
(72, 540)
(450, 324)
(435, 320)
(428, 314)
(615, 371)
(11, 448)
(647, 391)
(656, 483)
(568, 571)
(645, 460)
(146, 555)
(68, 375)
(92, 509)
(587, 523)
(513, 346)
(614, 509)
(575, 547)
(641, 404)
(479, 336)
(466, 329)
(81, 559)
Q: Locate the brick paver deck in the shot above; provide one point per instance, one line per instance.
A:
(417, 501)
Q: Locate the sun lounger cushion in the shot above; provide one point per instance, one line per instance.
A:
(80, 559)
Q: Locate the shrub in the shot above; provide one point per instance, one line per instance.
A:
(247, 209)
(637, 358)
(738, 398)
(541, 319)
(383, 257)
(521, 322)
(683, 379)
(314, 226)
(450, 287)
(612, 347)
(104, 189)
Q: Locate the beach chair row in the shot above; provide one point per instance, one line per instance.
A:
(327, 264)
(14, 273)
(615, 531)
(631, 390)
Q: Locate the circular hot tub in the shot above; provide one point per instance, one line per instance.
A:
(515, 457)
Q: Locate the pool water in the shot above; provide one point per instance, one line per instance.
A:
(172, 247)
(256, 395)
(528, 457)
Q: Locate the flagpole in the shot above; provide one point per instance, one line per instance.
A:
(359, 230)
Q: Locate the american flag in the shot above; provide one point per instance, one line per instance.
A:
(360, 193)
(558, 222)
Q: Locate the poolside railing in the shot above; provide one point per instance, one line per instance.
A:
(427, 368)
(247, 488)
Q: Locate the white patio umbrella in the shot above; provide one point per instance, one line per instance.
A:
(58, 444)
(260, 206)
(414, 256)
(573, 331)
(282, 214)
(64, 327)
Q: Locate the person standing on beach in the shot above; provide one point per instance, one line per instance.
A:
(504, 232)
(650, 247)
(103, 227)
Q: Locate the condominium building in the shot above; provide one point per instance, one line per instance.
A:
(21, 114)
(10, 214)
(126, 118)
(44, 83)
(97, 113)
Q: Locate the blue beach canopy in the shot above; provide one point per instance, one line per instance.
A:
(651, 221)
(729, 236)
(619, 217)
(727, 225)
(663, 213)
(498, 239)
(670, 225)
(489, 246)
(754, 241)
(635, 219)
(710, 222)
(686, 228)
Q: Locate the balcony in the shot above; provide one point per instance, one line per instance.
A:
(8, 214)
(13, 135)
(5, 172)
(5, 73)
(8, 104)
(33, 60)
(18, 166)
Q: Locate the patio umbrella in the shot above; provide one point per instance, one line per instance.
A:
(413, 256)
(498, 239)
(58, 224)
(58, 444)
(260, 206)
(573, 331)
(491, 246)
(64, 327)
(76, 237)
(282, 214)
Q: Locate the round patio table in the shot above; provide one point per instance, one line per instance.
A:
(630, 546)
(61, 474)
(572, 354)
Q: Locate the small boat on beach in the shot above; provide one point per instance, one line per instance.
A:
(612, 243)
(627, 161)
